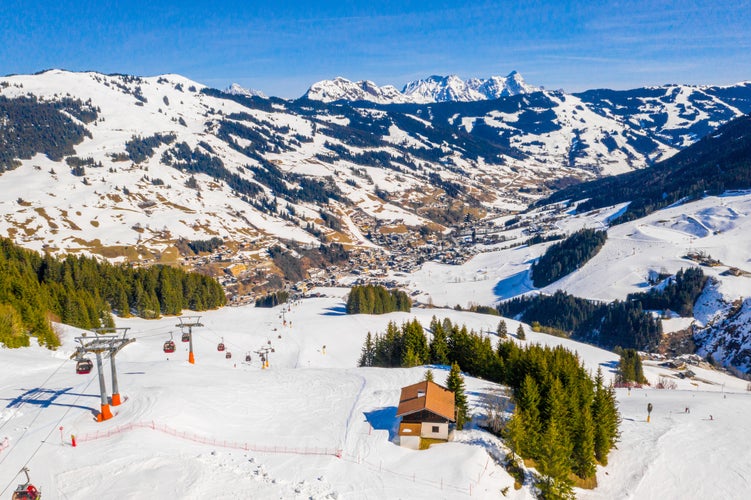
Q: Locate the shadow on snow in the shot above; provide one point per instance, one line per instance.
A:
(47, 397)
(384, 419)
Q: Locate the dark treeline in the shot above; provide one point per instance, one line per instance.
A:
(82, 291)
(376, 299)
(624, 324)
(273, 299)
(566, 256)
(209, 245)
(679, 294)
(564, 421)
(142, 148)
(31, 126)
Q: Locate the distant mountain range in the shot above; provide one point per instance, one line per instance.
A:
(93, 162)
(429, 90)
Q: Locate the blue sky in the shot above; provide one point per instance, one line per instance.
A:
(282, 47)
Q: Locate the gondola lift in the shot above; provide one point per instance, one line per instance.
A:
(228, 355)
(84, 366)
(220, 346)
(186, 337)
(26, 491)
(169, 346)
(247, 358)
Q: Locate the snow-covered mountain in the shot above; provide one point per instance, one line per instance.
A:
(429, 90)
(453, 88)
(341, 89)
(237, 89)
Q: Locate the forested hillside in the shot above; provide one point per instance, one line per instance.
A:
(83, 292)
(31, 126)
(566, 256)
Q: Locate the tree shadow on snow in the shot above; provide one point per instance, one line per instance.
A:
(611, 366)
(384, 419)
(335, 311)
(513, 285)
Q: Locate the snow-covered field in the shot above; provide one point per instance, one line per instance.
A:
(718, 226)
(183, 429)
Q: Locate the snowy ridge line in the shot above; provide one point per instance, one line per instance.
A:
(441, 485)
(92, 436)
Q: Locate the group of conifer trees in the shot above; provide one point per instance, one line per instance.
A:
(679, 294)
(564, 420)
(630, 368)
(566, 256)
(625, 324)
(273, 299)
(376, 299)
(82, 291)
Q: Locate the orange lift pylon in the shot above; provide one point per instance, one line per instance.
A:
(187, 323)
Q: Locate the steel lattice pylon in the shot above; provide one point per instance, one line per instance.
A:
(104, 345)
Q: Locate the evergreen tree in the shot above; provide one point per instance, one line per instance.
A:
(529, 406)
(414, 340)
(583, 456)
(514, 432)
(429, 375)
(455, 383)
(606, 419)
(520, 333)
(502, 330)
(438, 344)
(553, 464)
(368, 352)
(410, 358)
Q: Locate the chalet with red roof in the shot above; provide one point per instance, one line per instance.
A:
(426, 410)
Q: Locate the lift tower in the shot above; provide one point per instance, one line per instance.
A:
(187, 323)
(104, 345)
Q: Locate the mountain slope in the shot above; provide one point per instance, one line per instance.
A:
(719, 161)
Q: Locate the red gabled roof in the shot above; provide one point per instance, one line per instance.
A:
(428, 396)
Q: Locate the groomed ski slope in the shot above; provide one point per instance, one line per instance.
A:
(204, 415)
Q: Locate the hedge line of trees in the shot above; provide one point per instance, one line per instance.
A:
(31, 126)
(564, 420)
(376, 299)
(273, 299)
(83, 292)
(624, 324)
(566, 256)
(679, 294)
